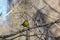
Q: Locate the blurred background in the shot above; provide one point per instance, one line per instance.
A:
(13, 13)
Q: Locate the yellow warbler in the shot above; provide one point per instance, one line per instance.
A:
(25, 23)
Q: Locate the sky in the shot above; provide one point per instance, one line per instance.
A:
(3, 9)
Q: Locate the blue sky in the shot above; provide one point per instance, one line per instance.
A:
(3, 8)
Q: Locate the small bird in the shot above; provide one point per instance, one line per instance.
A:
(25, 23)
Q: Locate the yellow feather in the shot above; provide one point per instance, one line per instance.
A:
(25, 23)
